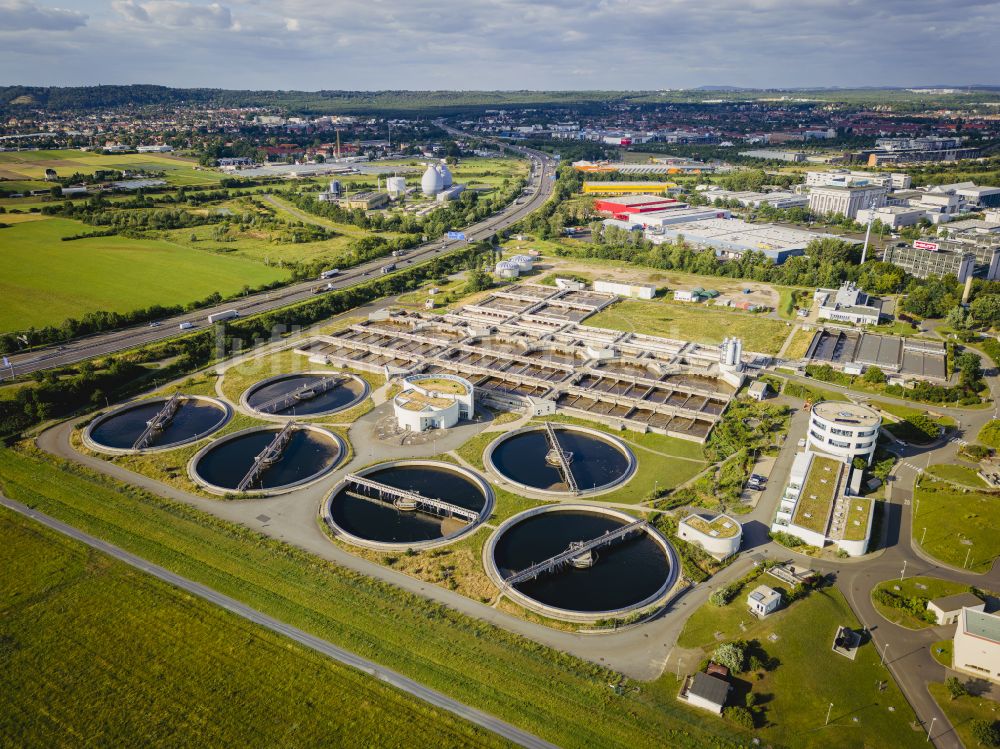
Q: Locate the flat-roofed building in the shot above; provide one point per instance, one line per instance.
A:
(893, 180)
(762, 600)
(626, 205)
(719, 536)
(775, 154)
(839, 199)
(626, 188)
(977, 645)
(893, 216)
(924, 263)
(947, 609)
(367, 201)
(848, 304)
(844, 430)
(754, 199)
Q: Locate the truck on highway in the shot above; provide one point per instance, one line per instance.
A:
(329, 273)
(323, 288)
(186, 325)
(229, 314)
(388, 268)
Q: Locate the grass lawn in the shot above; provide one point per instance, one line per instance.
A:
(962, 711)
(942, 651)
(548, 692)
(106, 273)
(915, 587)
(137, 661)
(800, 343)
(960, 474)
(693, 323)
(31, 165)
(812, 393)
(989, 435)
(959, 524)
(809, 675)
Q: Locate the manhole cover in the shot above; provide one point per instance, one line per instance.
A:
(263, 518)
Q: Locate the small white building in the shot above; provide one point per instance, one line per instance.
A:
(848, 304)
(758, 390)
(977, 645)
(947, 609)
(719, 536)
(706, 691)
(763, 600)
(686, 295)
(433, 402)
(635, 291)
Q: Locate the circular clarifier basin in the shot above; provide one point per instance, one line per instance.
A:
(603, 580)
(528, 459)
(305, 394)
(305, 454)
(399, 504)
(136, 426)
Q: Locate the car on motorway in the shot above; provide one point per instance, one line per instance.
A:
(155, 324)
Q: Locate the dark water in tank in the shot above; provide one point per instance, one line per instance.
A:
(192, 418)
(343, 394)
(378, 520)
(624, 573)
(595, 461)
(307, 454)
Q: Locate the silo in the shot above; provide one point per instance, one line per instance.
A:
(506, 269)
(395, 186)
(446, 179)
(431, 182)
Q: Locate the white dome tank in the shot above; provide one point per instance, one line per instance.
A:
(395, 186)
(506, 269)
(431, 183)
(523, 262)
(446, 179)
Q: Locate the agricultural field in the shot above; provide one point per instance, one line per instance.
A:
(693, 323)
(796, 645)
(31, 165)
(550, 693)
(963, 526)
(107, 273)
(98, 653)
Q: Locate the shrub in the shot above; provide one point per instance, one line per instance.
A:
(740, 716)
(955, 687)
(732, 655)
(986, 732)
(724, 595)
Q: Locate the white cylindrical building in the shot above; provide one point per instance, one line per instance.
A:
(433, 402)
(395, 186)
(843, 430)
(506, 269)
(523, 262)
(431, 183)
(446, 178)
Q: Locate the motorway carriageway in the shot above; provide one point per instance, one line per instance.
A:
(102, 344)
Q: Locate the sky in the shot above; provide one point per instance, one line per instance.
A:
(499, 44)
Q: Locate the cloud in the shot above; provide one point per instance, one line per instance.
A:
(176, 14)
(22, 15)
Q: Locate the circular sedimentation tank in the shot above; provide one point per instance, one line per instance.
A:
(308, 454)
(526, 458)
(612, 580)
(304, 394)
(368, 516)
(118, 431)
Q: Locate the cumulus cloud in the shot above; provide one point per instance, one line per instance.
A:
(22, 15)
(176, 14)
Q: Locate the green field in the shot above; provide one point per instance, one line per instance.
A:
(31, 165)
(96, 653)
(914, 587)
(809, 675)
(960, 474)
(960, 524)
(693, 323)
(44, 280)
(542, 690)
(962, 711)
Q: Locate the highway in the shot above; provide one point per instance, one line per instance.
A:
(346, 657)
(536, 193)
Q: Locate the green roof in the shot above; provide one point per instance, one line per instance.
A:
(817, 494)
(983, 625)
(856, 527)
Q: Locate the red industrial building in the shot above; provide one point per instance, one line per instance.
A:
(625, 205)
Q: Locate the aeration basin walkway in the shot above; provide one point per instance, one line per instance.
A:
(427, 504)
(562, 457)
(268, 456)
(281, 402)
(576, 549)
(158, 422)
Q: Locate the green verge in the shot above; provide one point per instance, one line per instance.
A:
(911, 588)
(550, 693)
(960, 474)
(962, 524)
(963, 711)
(134, 659)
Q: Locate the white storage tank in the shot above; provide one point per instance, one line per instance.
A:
(431, 182)
(395, 186)
(507, 269)
(446, 179)
(523, 262)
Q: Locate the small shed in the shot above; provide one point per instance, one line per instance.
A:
(758, 390)
(763, 600)
(947, 608)
(708, 692)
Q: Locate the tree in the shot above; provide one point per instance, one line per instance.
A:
(969, 367)
(986, 732)
(732, 655)
(740, 716)
(985, 310)
(874, 376)
(955, 687)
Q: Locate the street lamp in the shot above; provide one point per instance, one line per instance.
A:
(967, 552)
(903, 571)
(828, 711)
(930, 728)
(884, 652)
(923, 536)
